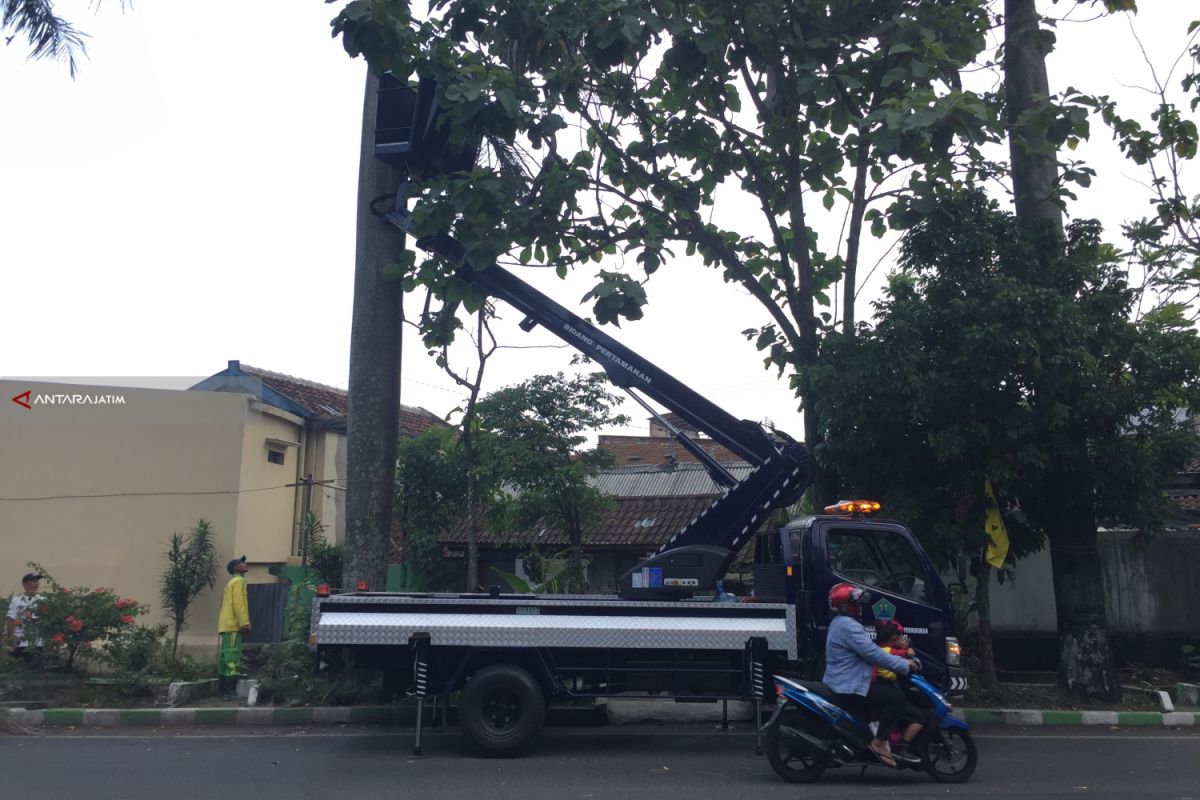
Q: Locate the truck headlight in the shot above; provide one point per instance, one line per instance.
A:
(953, 652)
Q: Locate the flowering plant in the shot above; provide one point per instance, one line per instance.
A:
(68, 622)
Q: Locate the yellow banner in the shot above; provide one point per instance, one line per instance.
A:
(997, 548)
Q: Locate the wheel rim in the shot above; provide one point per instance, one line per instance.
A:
(792, 758)
(501, 710)
(948, 754)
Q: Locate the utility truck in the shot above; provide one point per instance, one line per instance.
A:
(661, 636)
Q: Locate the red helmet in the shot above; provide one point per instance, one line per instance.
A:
(846, 598)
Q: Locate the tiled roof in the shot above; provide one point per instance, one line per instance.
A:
(659, 449)
(657, 480)
(641, 523)
(331, 403)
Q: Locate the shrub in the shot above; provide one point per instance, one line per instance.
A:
(71, 623)
(191, 568)
(326, 560)
(135, 657)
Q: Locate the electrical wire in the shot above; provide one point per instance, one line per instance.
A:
(140, 494)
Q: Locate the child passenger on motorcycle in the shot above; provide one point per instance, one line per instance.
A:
(849, 657)
(890, 636)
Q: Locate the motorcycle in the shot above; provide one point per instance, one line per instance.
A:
(808, 733)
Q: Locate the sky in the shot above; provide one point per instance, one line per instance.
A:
(190, 199)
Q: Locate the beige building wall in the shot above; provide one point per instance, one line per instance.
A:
(266, 510)
(92, 487)
(326, 452)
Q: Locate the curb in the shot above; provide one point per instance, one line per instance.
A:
(1004, 716)
(244, 716)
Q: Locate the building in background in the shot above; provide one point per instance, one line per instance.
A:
(95, 479)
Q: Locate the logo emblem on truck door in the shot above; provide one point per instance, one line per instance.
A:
(884, 609)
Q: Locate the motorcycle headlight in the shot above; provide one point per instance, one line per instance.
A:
(953, 652)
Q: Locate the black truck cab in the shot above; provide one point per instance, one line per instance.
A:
(799, 563)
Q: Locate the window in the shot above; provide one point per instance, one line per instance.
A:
(275, 456)
(768, 548)
(881, 559)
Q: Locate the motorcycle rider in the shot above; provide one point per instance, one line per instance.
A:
(849, 657)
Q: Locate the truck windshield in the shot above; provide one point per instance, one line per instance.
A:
(881, 559)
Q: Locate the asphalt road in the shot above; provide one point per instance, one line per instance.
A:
(693, 763)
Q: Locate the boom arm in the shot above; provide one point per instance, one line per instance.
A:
(699, 554)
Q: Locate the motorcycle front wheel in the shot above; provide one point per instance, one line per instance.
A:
(791, 763)
(950, 756)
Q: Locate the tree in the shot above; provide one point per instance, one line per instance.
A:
(469, 435)
(431, 492)
(1006, 354)
(1037, 127)
(528, 466)
(191, 568)
(374, 386)
(538, 428)
(48, 34)
(682, 113)
(1166, 245)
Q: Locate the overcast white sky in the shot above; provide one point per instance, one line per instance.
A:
(189, 199)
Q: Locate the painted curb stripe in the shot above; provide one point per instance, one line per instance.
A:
(215, 716)
(370, 713)
(141, 716)
(292, 716)
(62, 716)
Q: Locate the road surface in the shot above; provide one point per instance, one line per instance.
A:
(688, 763)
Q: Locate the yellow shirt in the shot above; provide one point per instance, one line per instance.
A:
(235, 608)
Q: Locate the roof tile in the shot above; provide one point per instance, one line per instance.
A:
(333, 403)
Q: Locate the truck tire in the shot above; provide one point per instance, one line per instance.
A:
(500, 711)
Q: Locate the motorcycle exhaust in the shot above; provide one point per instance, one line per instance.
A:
(802, 741)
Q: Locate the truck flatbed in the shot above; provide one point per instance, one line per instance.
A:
(551, 621)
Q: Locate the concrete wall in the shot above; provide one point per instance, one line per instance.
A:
(1152, 585)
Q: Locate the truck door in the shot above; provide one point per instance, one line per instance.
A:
(904, 586)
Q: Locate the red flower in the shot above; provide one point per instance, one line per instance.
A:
(127, 619)
(59, 638)
(74, 624)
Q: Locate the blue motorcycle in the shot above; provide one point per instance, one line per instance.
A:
(808, 733)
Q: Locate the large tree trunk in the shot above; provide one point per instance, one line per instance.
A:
(1027, 87)
(1085, 657)
(374, 402)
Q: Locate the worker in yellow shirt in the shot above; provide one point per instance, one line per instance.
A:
(234, 622)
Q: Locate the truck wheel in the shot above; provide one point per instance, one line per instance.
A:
(501, 709)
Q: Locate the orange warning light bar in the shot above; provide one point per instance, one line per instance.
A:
(863, 507)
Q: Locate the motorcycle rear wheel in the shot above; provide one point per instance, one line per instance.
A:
(950, 756)
(790, 763)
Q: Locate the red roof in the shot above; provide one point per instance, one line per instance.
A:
(332, 403)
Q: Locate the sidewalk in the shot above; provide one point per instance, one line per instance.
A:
(634, 712)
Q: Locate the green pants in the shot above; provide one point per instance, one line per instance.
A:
(229, 654)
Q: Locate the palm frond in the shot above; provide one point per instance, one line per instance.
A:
(49, 35)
